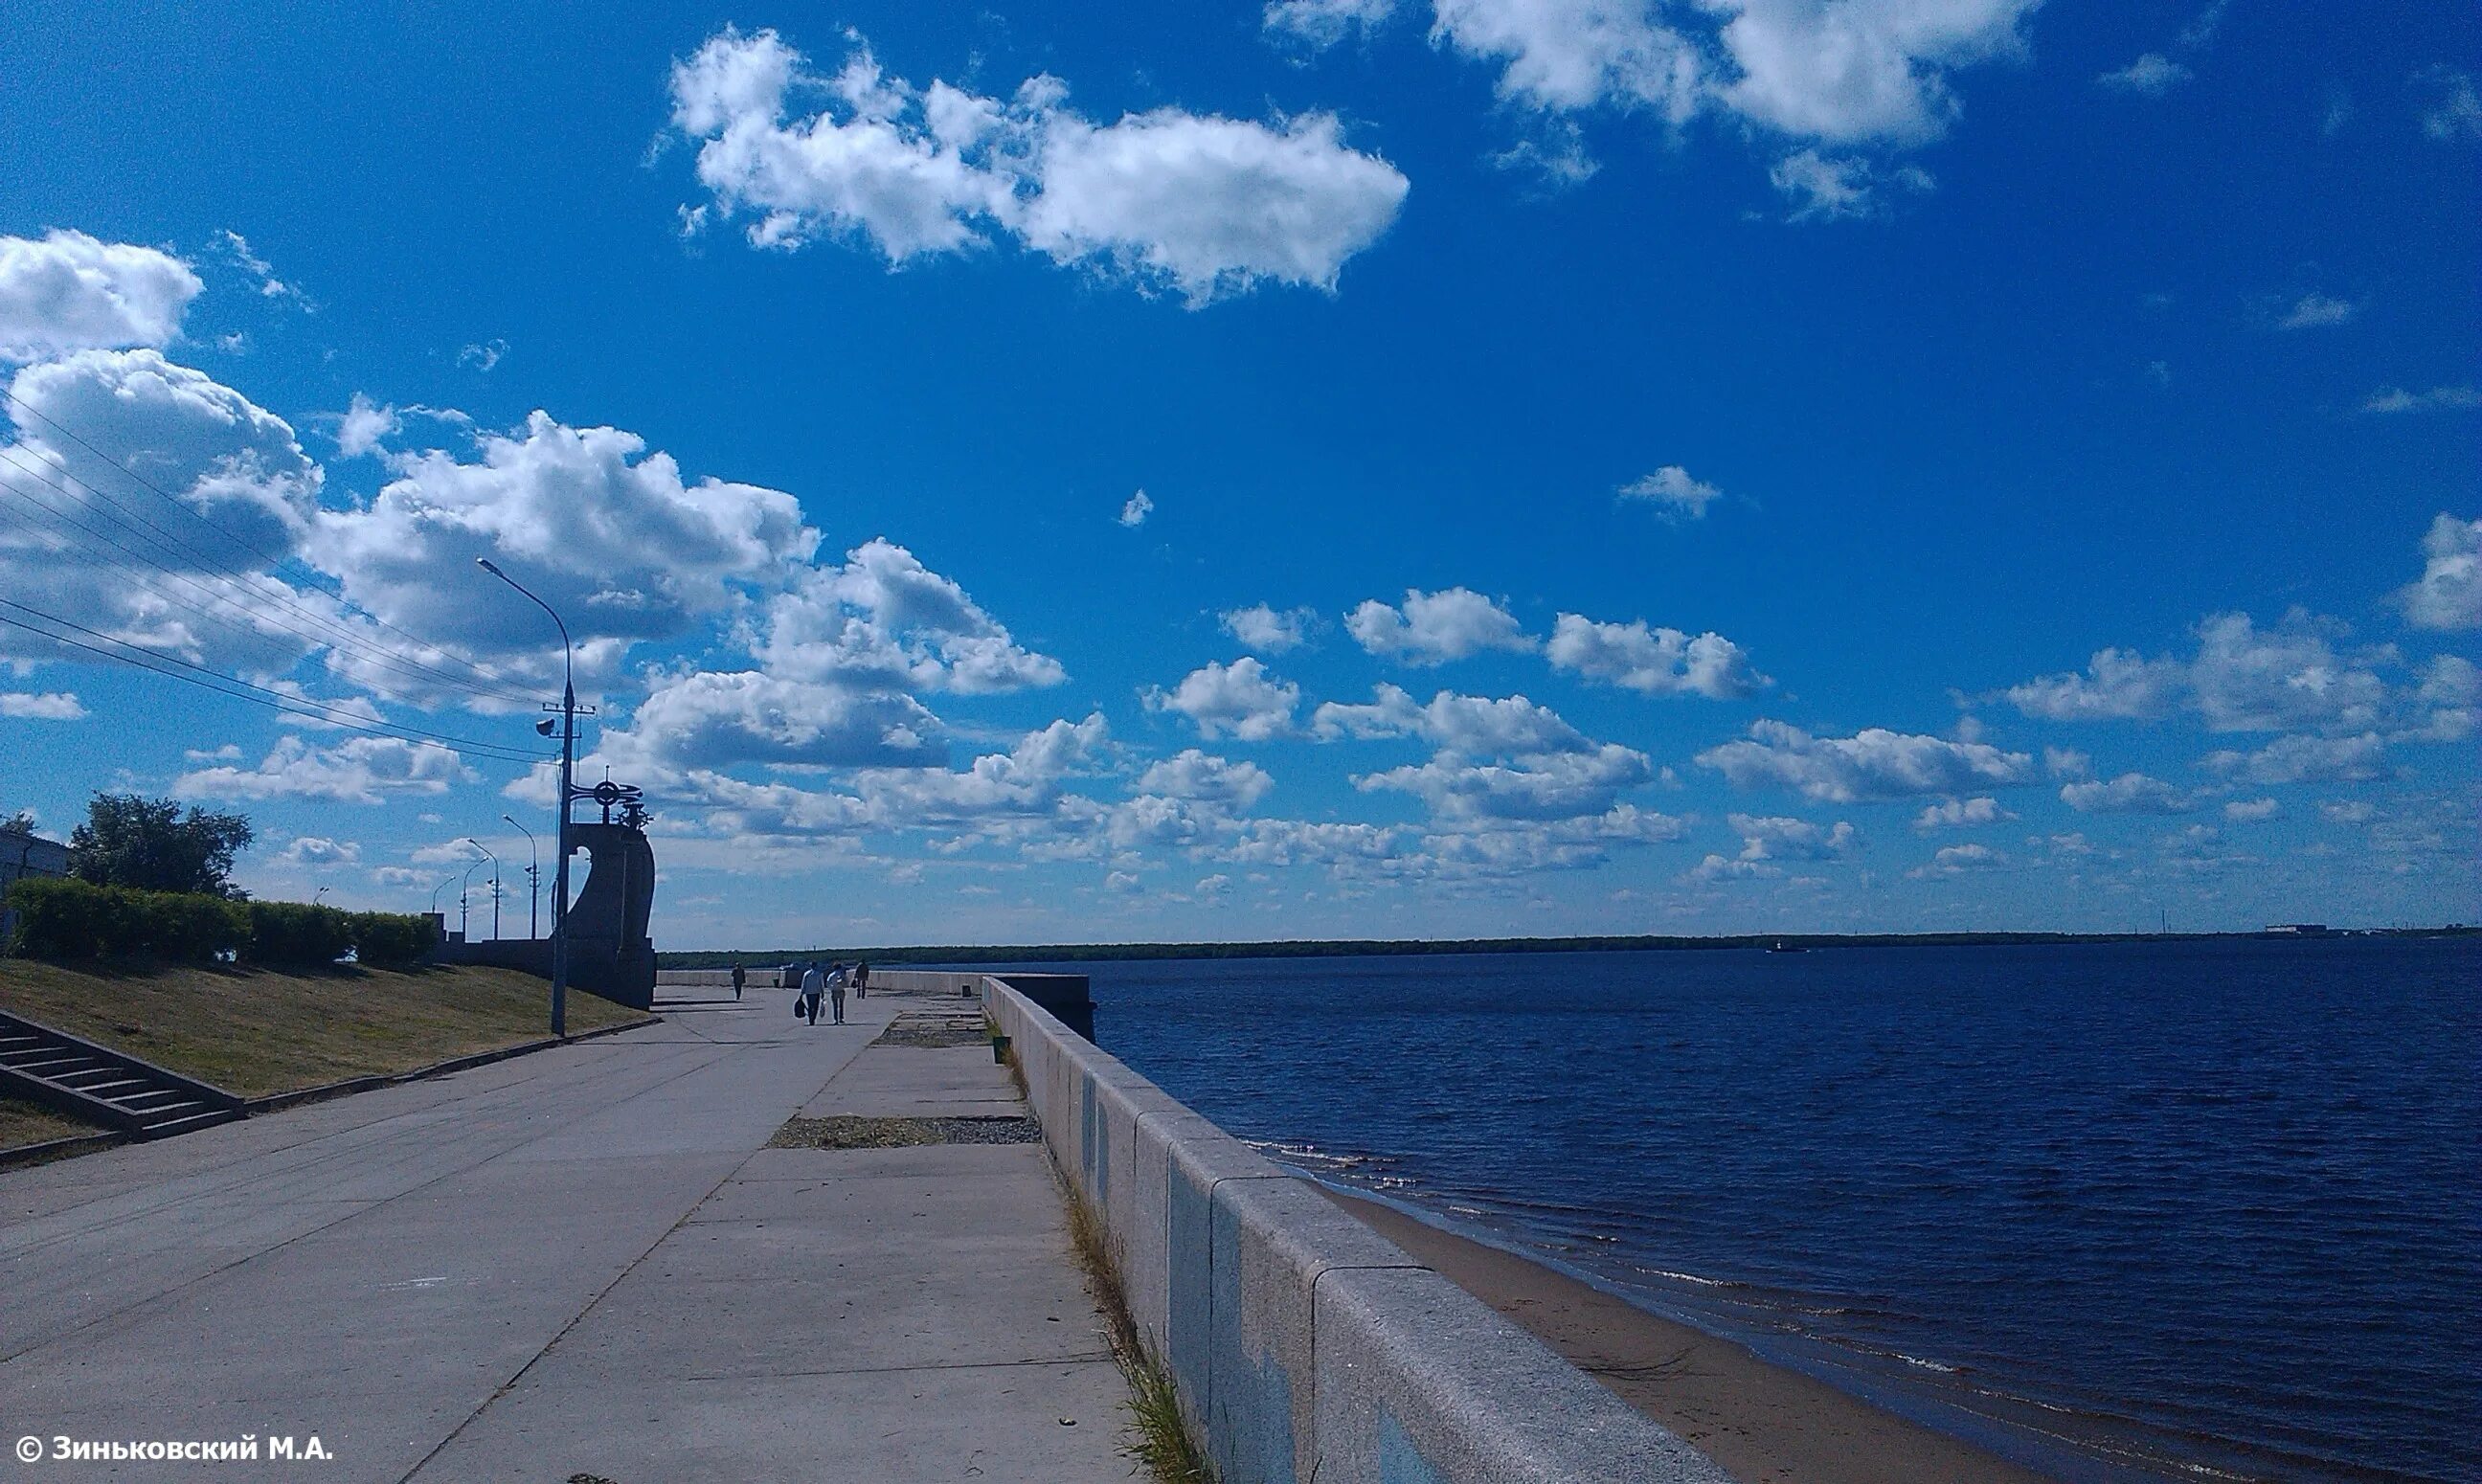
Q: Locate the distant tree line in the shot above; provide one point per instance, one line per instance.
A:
(1326, 948)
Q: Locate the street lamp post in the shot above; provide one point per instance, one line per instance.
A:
(533, 880)
(567, 771)
(461, 931)
(436, 890)
(495, 884)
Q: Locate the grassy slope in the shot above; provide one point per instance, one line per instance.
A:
(23, 1122)
(258, 1032)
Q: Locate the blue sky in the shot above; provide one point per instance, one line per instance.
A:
(1613, 468)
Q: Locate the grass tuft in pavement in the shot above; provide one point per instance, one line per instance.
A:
(847, 1131)
(1164, 1448)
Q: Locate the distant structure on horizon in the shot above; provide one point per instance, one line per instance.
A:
(2299, 930)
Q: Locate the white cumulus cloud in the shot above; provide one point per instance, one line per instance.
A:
(1263, 627)
(1431, 628)
(2130, 793)
(198, 590)
(67, 291)
(362, 427)
(1670, 491)
(358, 770)
(884, 621)
(1200, 205)
(1961, 813)
(2241, 678)
(1825, 188)
(1540, 786)
(318, 850)
(1193, 774)
(1325, 23)
(2306, 760)
(1653, 661)
(43, 706)
(1958, 859)
(2449, 593)
(610, 534)
(715, 719)
(1863, 70)
(1875, 763)
(1240, 699)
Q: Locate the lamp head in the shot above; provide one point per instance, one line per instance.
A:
(544, 727)
(484, 563)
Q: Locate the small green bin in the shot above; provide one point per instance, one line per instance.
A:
(999, 1048)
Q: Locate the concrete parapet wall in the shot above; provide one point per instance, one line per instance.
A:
(1303, 1345)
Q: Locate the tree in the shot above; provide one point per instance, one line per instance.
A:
(151, 844)
(18, 823)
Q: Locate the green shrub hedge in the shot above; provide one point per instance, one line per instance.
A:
(67, 918)
(297, 933)
(393, 938)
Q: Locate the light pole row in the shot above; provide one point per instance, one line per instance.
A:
(567, 712)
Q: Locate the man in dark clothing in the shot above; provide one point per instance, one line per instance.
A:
(740, 978)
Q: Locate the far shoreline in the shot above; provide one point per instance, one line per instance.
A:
(981, 955)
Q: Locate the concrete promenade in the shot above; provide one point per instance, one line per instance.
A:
(583, 1261)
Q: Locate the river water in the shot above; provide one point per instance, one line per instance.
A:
(2200, 1209)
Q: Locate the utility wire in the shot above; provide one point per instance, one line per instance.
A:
(250, 629)
(269, 559)
(336, 637)
(258, 694)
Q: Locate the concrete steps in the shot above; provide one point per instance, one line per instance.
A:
(83, 1080)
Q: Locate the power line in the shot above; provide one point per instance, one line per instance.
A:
(336, 637)
(264, 557)
(249, 629)
(258, 694)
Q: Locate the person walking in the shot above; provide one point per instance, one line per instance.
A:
(861, 980)
(740, 978)
(836, 991)
(814, 986)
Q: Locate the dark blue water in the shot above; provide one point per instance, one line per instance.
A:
(2206, 1210)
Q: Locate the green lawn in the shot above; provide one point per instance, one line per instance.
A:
(23, 1122)
(255, 1031)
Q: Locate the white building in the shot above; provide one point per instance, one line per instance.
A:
(30, 855)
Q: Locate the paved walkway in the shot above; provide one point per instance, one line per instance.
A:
(583, 1261)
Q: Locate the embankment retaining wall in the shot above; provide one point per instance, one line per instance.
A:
(1304, 1345)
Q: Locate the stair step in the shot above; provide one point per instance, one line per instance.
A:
(41, 1065)
(152, 1099)
(187, 1122)
(156, 1101)
(122, 1088)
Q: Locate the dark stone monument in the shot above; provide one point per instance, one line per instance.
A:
(609, 951)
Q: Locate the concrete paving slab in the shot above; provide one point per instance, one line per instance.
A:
(582, 1259)
(920, 1082)
(990, 1425)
